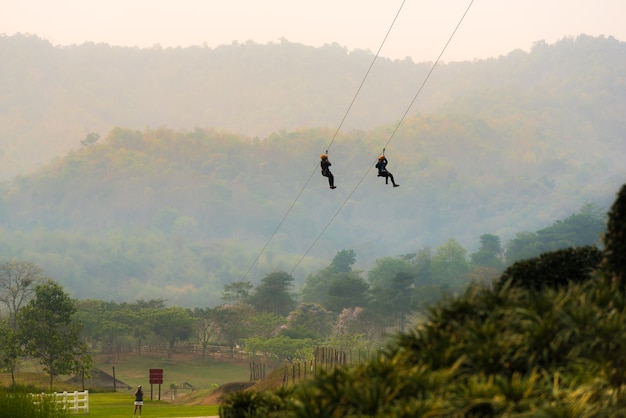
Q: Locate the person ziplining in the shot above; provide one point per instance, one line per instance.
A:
(381, 165)
(325, 164)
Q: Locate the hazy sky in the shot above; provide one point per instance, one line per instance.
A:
(491, 28)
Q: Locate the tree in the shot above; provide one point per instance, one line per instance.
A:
(554, 269)
(17, 285)
(235, 323)
(423, 267)
(206, 326)
(357, 323)
(525, 245)
(90, 139)
(173, 325)
(265, 324)
(309, 320)
(386, 269)
(395, 301)
(488, 261)
(138, 317)
(273, 294)
(9, 349)
(317, 285)
(105, 323)
(50, 332)
(283, 347)
(614, 261)
(449, 263)
(237, 292)
(347, 290)
(490, 254)
(580, 229)
(343, 261)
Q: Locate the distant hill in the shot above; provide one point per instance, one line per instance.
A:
(51, 97)
(159, 207)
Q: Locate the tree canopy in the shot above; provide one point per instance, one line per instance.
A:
(50, 333)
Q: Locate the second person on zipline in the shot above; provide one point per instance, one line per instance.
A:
(381, 165)
(325, 164)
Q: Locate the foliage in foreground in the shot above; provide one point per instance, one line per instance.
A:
(544, 350)
(510, 351)
(22, 404)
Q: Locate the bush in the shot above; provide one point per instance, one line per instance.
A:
(16, 403)
(615, 239)
(554, 269)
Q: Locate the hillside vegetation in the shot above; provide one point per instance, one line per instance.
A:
(174, 202)
(52, 96)
(514, 349)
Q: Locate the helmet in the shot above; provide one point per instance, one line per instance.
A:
(382, 157)
(323, 156)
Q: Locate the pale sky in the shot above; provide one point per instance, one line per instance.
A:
(490, 29)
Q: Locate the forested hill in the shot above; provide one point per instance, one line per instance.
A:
(494, 147)
(51, 97)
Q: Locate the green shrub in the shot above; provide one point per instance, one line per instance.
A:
(554, 269)
(615, 239)
(548, 340)
(19, 404)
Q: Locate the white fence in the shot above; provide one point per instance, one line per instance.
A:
(71, 401)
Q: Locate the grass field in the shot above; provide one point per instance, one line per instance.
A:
(120, 405)
(201, 373)
(204, 374)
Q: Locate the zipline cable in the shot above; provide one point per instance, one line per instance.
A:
(313, 172)
(432, 68)
(390, 137)
(366, 75)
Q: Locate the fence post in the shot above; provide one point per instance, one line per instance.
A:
(69, 402)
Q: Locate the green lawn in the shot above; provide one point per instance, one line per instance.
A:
(201, 373)
(120, 405)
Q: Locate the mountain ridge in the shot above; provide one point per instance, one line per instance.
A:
(507, 145)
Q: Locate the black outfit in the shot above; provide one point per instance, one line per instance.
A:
(325, 164)
(138, 401)
(382, 171)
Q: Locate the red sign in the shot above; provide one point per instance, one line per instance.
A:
(156, 376)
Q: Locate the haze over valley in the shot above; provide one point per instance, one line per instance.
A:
(201, 152)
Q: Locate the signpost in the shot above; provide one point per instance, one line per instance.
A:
(156, 378)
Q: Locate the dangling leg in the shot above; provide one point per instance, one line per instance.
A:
(392, 181)
(331, 180)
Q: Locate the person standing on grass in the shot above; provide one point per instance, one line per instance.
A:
(138, 401)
